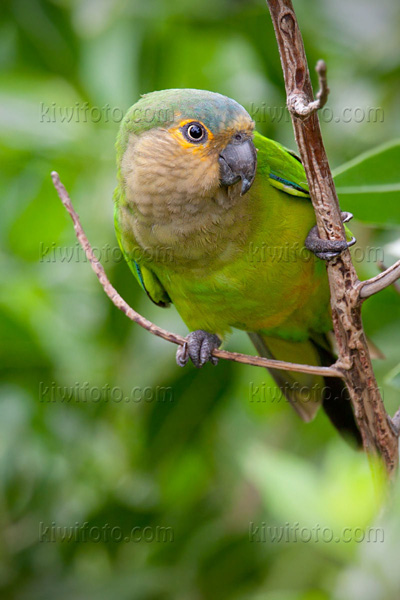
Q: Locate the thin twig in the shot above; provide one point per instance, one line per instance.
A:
(380, 282)
(120, 303)
(378, 435)
(382, 267)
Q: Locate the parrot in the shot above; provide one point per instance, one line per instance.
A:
(216, 219)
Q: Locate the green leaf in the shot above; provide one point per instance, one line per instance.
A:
(369, 185)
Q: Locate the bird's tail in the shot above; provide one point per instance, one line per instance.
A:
(307, 392)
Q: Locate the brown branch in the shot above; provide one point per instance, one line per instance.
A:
(378, 434)
(120, 303)
(380, 282)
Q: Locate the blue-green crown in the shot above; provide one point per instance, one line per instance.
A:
(166, 107)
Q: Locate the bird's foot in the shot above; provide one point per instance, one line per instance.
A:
(328, 249)
(198, 347)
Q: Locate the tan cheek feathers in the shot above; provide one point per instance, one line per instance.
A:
(162, 164)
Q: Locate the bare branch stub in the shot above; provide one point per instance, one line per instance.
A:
(298, 104)
(374, 423)
(323, 92)
(119, 302)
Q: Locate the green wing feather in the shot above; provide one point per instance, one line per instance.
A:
(281, 166)
(148, 281)
(284, 169)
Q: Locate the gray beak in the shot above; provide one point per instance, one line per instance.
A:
(238, 161)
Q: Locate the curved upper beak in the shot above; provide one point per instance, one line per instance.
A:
(238, 161)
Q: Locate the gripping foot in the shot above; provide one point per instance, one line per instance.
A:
(327, 249)
(198, 347)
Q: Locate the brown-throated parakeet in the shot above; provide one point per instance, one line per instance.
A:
(213, 217)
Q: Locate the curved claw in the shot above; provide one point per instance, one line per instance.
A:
(182, 355)
(351, 242)
(198, 347)
(346, 216)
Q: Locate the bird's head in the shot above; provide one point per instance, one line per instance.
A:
(186, 142)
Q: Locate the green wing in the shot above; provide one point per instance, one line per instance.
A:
(282, 166)
(284, 169)
(148, 281)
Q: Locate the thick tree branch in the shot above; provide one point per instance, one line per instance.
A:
(120, 303)
(378, 434)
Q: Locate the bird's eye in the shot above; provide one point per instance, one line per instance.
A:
(194, 132)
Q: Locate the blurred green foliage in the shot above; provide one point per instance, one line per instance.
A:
(193, 452)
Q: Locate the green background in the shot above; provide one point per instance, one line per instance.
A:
(207, 455)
